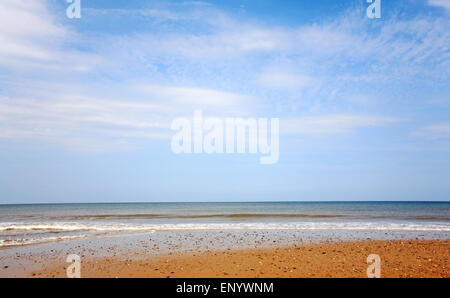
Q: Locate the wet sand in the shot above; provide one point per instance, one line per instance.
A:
(399, 258)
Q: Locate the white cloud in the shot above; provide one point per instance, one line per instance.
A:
(361, 98)
(443, 99)
(435, 131)
(440, 3)
(32, 38)
(224, 64)
(332, 124)
(223, 43)
(64, 116)
(40, 23)
(332, 56)
(71, 115)
(192, 96)
(286, 80)
(26, 28)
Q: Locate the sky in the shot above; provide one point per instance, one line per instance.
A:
(86, 104)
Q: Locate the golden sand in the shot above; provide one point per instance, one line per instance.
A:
(343, 259)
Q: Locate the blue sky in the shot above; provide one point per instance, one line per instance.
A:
(86, 104)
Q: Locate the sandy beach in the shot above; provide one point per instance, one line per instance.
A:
(266, 239)
(409, 258)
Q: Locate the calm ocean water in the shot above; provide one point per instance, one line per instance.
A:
(41, 223)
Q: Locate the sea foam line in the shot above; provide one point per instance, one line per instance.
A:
(20, 242)
(227, 226)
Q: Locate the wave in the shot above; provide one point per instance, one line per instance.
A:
(27, 241)
(67, 218)
(68, 227)
(88, 231)
(174, 216)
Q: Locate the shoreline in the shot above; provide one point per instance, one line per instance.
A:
(399, 258)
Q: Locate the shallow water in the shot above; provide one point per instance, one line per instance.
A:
(44, 223)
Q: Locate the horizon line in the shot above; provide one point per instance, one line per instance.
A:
(202, 202)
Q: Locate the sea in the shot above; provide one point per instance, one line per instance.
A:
(43, 223)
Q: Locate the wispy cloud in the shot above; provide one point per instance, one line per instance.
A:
(218, 62)
(286, 80)
(434, 131)
(440, 3)
(439, 100)
(333, 124)
(32, 38)
(192, 96)
(66, 115)
(71, 114)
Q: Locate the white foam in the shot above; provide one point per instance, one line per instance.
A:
(99, 230)
(17, 242)
(69, 227)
